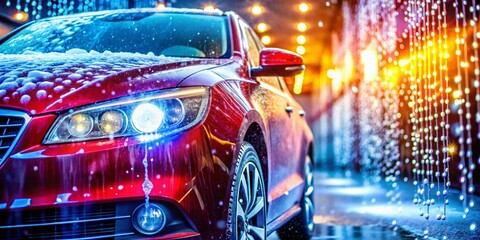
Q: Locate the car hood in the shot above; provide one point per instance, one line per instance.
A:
(52, 82)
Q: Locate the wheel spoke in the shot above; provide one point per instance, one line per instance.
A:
(255, 180)
(259, 204)
(248, 190)
(258, 232)
(309, 211)
(309, 191)
(309, 207)
(310, 179)
(250, 204)
(254, 188)
(241, 212)
(243, 235)
(245, 190)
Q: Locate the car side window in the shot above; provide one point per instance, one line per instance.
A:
(253, 48)
(253, 51)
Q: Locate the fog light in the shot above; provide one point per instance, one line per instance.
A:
(148, 220)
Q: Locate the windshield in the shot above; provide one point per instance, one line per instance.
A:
(169, 34)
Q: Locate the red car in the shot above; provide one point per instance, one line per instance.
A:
(158, 124)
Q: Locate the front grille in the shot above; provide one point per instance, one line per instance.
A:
(12, 124)
(67, 222)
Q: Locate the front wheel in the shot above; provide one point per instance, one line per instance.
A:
(247, 207)
(301, 226)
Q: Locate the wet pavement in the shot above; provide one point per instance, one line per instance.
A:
(350, 207)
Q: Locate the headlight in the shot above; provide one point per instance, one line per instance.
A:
(80, 125)
(162, 113)
(147, 117)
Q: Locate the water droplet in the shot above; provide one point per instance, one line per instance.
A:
(147, 186)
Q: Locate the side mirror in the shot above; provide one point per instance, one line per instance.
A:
(278, 62)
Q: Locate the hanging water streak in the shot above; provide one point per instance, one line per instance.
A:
(429, 88)
(147, 185)
(429, 99)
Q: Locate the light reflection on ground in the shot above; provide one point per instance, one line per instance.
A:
(348, 206)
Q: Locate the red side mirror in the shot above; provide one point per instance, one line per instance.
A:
(278, 62)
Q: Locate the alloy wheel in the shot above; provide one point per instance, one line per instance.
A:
(308, 195)
(250, 207)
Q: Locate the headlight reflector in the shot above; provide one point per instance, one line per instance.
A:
(159, 113)
(147, 117)
(174, 112)
(112, 121)
(80, 125)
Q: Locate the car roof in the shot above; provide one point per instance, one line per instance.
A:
(144, 10)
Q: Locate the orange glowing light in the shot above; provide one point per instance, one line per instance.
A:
(21, 16)
(298, 84)
(209, 9)
(303, 7)
(301, 50)
(457, 94)
(302, 27)
(452, 149)
(262, 27)
(301, 39)
(161, 6)
(256, 9)
(348, 66)
(370, 64)
(266, 40)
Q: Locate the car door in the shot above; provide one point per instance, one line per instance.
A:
(273, 103)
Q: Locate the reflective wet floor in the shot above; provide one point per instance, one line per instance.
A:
(350, 206)
(367, 232)
(346, 207)
(359, 233)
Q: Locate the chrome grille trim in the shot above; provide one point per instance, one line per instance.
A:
(64, 222)
(69, 221)
(11, 115)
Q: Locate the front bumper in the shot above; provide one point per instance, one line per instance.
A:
(36, 180)
(99, 220)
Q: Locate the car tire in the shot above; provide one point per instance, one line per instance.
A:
(301, 226)
(247, 212)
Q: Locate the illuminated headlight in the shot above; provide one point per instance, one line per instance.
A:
(161, 113)
(80, 125)
(147, 117)
(149, 219)
(111, 122)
